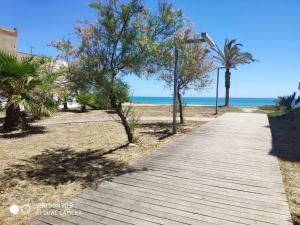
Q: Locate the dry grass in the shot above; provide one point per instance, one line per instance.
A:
(286, 143)
(50, 164)
(189, 111)
(142, 110)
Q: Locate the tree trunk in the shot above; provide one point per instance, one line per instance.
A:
(180, 107)
(12, 118)
(65, 105)
(83, 108)
(227, 86)
(118, 108)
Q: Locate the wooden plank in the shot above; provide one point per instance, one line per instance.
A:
(223, 192)
(220, 173)
(52, 220)
(207, 183)
(135, 214)
(194, 198)
(164, 215)
(221, 213)
(37, 222)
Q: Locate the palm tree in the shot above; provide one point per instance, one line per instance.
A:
(231, 57)
(22, 83)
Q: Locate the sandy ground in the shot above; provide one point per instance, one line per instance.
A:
(145, 113)
(50, 163)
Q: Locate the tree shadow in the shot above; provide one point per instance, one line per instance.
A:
(286, 136)
(25, 132)
(110, 111)
(63, 165)
(160, 130)
(74, 110)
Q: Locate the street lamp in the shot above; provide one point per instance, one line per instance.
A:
(204, 38)
(31, 47)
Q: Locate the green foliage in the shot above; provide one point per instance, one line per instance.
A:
(39, 106)
(268, 107)
(100, 101)
(277, 113)
(287, 102)
(73, 75)
(297, 101)
(29, 82)
(85, 98)
(126, 38)
(121, 90)
(232, 56)
(132, 116)
(100, 94)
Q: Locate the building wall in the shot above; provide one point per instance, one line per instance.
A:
(8, 40)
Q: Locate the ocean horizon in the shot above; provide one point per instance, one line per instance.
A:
(205, 101)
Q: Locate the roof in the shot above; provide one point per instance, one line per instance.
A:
(10, 32)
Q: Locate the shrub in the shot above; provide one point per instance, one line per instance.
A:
(84, 98)
(100, 99)
(297, 101)
(287, 102)
(269, 107)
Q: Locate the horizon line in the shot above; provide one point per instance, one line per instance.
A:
(196, 97)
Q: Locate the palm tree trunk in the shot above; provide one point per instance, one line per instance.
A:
(227, 86)
(12, 118)
(180, 107)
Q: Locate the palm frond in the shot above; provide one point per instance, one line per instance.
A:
(232, 56)
(287, 102)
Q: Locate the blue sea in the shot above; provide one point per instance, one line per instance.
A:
(206, 101)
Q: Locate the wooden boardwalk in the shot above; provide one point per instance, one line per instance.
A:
(220, 173)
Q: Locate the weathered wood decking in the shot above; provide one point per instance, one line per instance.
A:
(220, 173)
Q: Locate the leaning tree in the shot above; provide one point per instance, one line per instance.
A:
(125, 39)
(231, 57)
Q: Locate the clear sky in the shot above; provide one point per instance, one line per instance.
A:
(269, 29)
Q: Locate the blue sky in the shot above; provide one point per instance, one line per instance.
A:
(269, 29)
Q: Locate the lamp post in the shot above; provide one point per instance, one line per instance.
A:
(217, 89)
(31, 47)
(204, 38)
